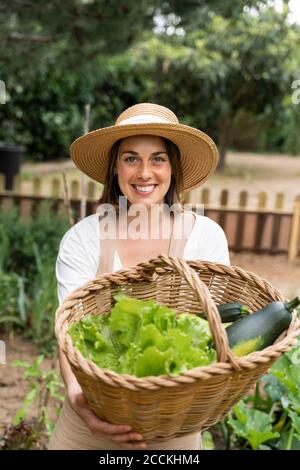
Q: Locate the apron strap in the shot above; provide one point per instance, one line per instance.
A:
(179, 238)
(107, 250)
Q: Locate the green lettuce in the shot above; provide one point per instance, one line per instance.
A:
(143, 338)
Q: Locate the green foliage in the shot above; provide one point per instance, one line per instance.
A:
(13, 302)
(28, 298)
(143, 338)
(269, 419)
(232, 66)
(237, 64)
(44, 386)
(45, 114)
(44, 303)
(253, 425)
(21, 236)
(67, 34)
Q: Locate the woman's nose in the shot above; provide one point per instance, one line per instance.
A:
(145, 171)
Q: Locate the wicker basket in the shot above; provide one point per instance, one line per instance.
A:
(161, 408)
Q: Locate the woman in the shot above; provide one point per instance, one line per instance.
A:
(148, 159)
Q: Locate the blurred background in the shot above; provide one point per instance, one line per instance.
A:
(229, 68)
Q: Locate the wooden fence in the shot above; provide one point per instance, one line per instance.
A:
(255, 229)
(259, 229)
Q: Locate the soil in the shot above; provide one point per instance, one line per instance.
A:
(283, 274)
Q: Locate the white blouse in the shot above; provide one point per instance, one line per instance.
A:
(79, 251)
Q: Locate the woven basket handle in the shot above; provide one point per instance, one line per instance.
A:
(224, 353)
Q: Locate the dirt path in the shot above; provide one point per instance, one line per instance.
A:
(282, 274)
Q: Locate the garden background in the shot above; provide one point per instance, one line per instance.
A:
(229, 68)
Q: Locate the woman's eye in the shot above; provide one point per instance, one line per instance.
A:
(130, 159)
(159, 159)
(134, 159)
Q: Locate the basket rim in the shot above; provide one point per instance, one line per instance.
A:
(215, 369)
(204, 372)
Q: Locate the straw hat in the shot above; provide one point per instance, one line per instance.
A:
(199, 155)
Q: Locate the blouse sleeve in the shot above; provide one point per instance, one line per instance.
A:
(76, 262)
(215, 243)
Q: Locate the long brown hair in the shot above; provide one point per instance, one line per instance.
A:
(112, 191)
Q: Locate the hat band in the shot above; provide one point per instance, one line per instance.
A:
(143, 119)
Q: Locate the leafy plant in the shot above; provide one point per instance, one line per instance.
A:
(272, 414)
(43, 304)
(253, 425)
(22, 436)
(13, 302)
(143, 338)
(44, 385)
(28, 250)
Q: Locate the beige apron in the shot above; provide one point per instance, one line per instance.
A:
(71, 432)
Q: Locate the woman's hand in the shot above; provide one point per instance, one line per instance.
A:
(120, 434)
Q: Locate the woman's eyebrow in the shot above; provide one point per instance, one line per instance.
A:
(136, 153)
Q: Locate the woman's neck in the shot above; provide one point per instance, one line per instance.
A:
(154, 222)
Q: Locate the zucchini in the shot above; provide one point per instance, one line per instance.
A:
(233, 311)
(260, 329)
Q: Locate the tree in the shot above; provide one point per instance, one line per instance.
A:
(78, 31)
(213, 63)
(255, 53)
(235, 65)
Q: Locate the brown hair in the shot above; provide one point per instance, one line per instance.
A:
(112, 191)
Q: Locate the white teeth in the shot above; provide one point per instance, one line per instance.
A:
(145, 189)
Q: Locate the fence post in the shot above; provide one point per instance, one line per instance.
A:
(1, 182)
(55, 187)
(205, 197)
(295, 230)
(86, 126)
(36, 186)
(16, 184)
(91, 190)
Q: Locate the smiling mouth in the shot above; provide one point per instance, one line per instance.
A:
(144, 190)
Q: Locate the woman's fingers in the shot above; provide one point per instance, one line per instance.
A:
(128, 437)
(130, 440)
(118, 433)
(96, 424)
(128, 445)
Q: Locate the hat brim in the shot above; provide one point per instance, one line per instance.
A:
(199, 154)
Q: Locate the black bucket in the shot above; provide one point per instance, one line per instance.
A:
(10, 162)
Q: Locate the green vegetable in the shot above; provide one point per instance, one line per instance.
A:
(253, 425)
(260, 329)
(232, 311)
(143, 338)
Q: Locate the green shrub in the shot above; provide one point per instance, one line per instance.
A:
(28, 297)
(20, 236)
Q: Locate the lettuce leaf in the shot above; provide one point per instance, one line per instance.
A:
(144, 338)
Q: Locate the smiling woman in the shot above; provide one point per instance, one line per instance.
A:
(139, 156)
(144, 172)
(149, 159)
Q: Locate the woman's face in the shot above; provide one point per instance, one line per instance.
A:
(144, 169)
